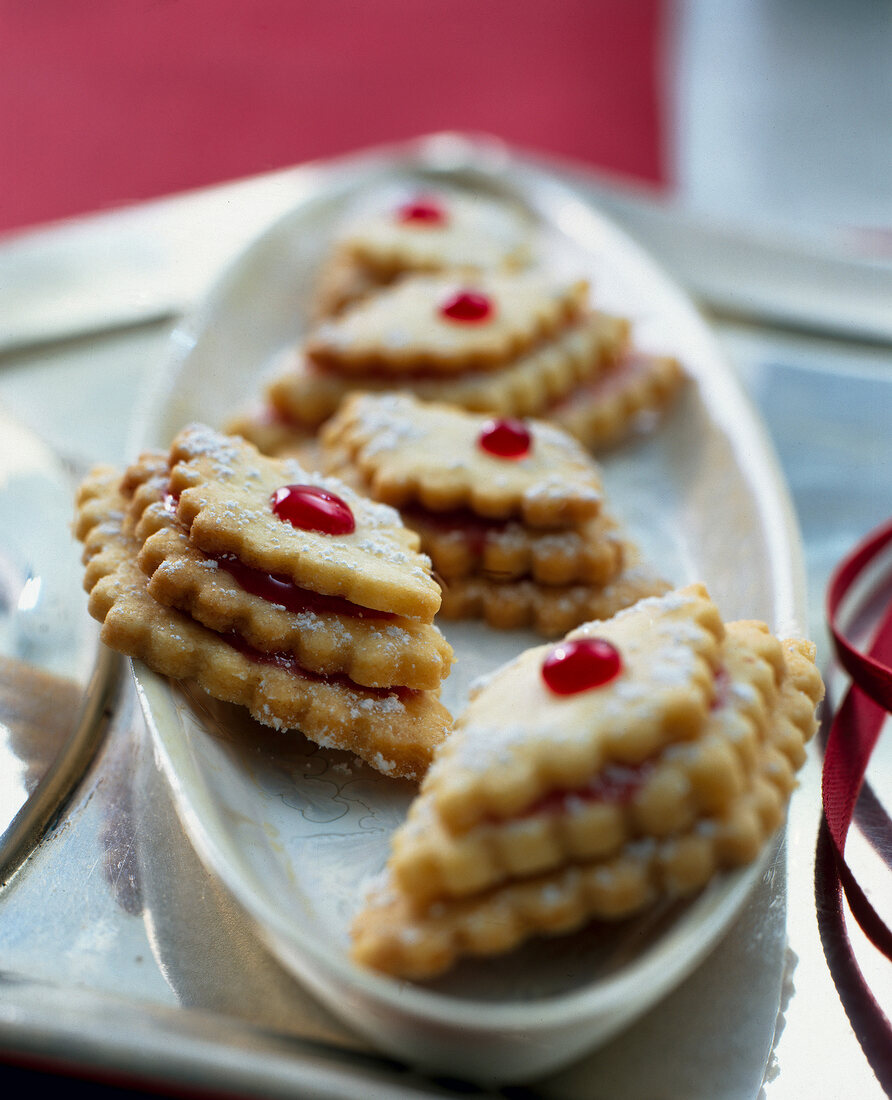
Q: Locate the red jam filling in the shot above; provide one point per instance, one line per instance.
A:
(474, 529)
(606, 383)
(722, 688)
(282, 590)
(290, 663)
(467, 307)
(422, 212)
(505, 438)
(616, 783)
(313, 509)
(580, 665)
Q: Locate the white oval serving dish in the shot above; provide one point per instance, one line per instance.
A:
(293, 830)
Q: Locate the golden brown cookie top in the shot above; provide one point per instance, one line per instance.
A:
(447, 324)
(615, 691)
(441, 457)
(429, 229)
(276, 516)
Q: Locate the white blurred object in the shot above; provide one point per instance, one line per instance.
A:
(783, 116)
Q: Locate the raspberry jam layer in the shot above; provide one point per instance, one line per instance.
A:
(281, 590)
(622, 374)
(289, 663)
(722, 688)
(474, 529)
(616, 784)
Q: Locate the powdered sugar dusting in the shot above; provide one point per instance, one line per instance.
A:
(512, 720)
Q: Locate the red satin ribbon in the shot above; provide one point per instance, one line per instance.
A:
(856, 727)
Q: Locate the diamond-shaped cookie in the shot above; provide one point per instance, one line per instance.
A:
(443, 324)
(225, 490)
(605, 836)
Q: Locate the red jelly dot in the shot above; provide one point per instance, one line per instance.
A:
(422, 212)
(313, 509)
(506, 438)
(468, 306)
(578, 665)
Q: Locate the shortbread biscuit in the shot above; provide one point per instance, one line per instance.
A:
(662, 796)
(462, 545)
(420, 231)
(439, 325)
(393, 729)
(434, 455)
(548, 609)
(343, 281)
(372, 649)
(796, 714)
(627, 398)
(271, 433)
(510, 512)
(671, 647)
(223, 488)
(618, 836)
(432, 229)
(303, 395)
(393, 936)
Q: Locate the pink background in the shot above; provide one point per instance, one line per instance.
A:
(107, 102)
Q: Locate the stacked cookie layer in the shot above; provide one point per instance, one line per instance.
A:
(533, 343)
(277, 589)
(519, 538)
(589, 779)
(420, 231)
(631, 395)
(447, 311)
